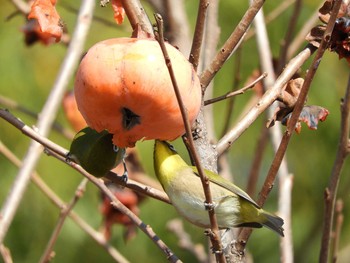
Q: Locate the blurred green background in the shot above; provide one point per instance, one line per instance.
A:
(28, 73)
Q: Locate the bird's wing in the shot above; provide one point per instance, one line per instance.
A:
(217, 179)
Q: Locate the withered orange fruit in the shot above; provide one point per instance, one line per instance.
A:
(123, 85)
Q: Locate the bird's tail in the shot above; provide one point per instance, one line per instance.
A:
(273, 222)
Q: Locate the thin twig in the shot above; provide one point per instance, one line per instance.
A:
(185, 241)
(299, 39)
(339, 216)
(270, 17)
(236, 92)
(288, 37)
(47, 115)
(141, 188)
(268, 184)
(50, 194)
(266, 100)
(205, 181)
(275, 132)
(6, 254)
(257, 160)
(177, 27)
(11, 104)
(205, 120)
(236, 80)
(331, 190)
(46, 257)
(101, 20)
(230, 44)
(198, 33)
(171, 257)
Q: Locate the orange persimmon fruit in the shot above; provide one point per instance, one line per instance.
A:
(123, 85)
(71, 111)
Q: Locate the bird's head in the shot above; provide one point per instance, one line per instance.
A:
(163, 150)
(166, 159)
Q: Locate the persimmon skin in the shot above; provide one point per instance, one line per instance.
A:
(129, 73)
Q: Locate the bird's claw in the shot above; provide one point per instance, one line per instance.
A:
(124, 177)
(68, 157)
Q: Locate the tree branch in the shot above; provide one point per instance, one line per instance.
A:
(331, 190)
(214, 236)
(198, 33)
(230, 44)
(268, 184)
(47, 255)
(136, 186)
(47, 115)
(49, 193)
(137, 16)
(267, 99)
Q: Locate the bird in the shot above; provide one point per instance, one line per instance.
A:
(233, 207)
(96, 153)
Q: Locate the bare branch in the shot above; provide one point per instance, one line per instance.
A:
(299, 39)
(185, 242)
(236, 92)
(275, 132)
(268, 184)
(205, 181)
(177, 28)
(6, 254)
(275, 13)
(46, 257)
(331, 190)
(143, 189)
(267, 99)
(48, 192)
(171, 257)
(198, 33)
(10, 104)
(339, 216)
(137, 16)
(257, 161)
(289, 33)
(230, 44)
(47, 115)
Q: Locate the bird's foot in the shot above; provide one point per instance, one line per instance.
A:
(124, 177)
(68, 157)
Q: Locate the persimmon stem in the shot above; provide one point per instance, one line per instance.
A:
(217, 246)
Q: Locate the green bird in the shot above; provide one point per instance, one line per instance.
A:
(233, 207)
(96, 153)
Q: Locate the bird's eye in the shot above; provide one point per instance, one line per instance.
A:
(115, 148)
(171, 147)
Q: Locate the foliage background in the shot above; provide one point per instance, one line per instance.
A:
(26, 76)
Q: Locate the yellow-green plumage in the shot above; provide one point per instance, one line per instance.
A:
(95, 152)
(233, 207)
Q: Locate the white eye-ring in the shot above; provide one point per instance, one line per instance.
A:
(115, 148)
